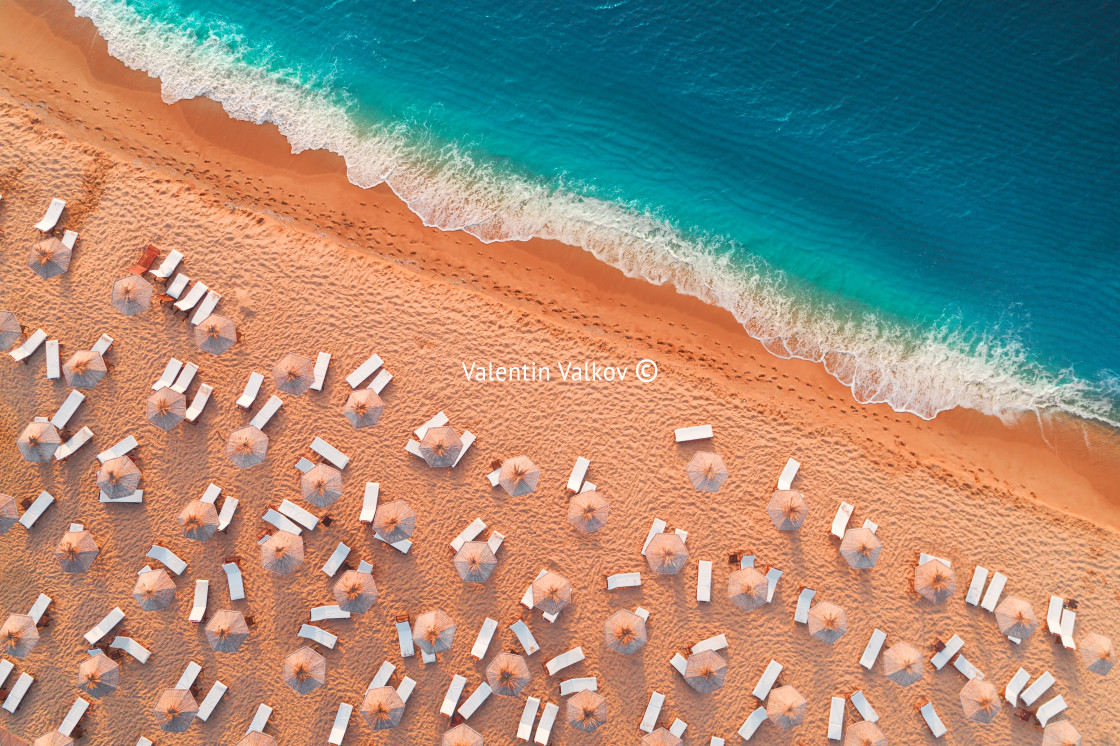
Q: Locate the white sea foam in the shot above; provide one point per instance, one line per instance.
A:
(923, 373)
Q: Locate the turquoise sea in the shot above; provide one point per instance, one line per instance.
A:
(924, 197)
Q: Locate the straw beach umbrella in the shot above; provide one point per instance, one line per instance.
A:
(215, 335)
(84, 369)
(902, 664)
(861, 547)
(461, 735)
(154, 590)
(588, 512)
(175, 710)
(786, 707)
(747, 588)
(827, 622)
(49, 258)
(9, 515)
(305, 670)
(10, 330)
(76, 552)
(551, 593)
(132, 295)
(247, 446)
(587, 710)
(666, 553)
(507, 674)
(706, 471)
(394, 521)
(321, 485)
(282, 553)
(118, 477)
(519, 476)
(99, 675)
(440, 447)
(980, 700)
(864, 733)
(38, 442)
(475, 562)
(625, 632)
(52, 738)
(363, 408)
(382, 708)
(1061, 733)
(166, 408)
(1097, 653)
(18, 635)
(355, 591)
(705, 671)
(199, 520)
(661, 737)
(935, 581)
(256, 738)
(1016, 618)
(787, 509)
(433, 631)
(227, 631)
(294, 374)
(10, 739)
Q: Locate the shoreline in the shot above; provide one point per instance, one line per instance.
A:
(1068, 464)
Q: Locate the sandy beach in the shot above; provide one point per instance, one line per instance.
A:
(306, 262)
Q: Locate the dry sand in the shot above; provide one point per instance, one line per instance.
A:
(307, 263)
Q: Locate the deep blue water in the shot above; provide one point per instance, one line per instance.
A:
(926, 198)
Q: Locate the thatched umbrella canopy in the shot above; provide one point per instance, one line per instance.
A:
(551, 593)
(433, 631)
(706, 471)
(355, 591)
(247, 446)
(519, 476)
(625, 632)
(321, 485)
(705, 671)
(588, 512)
(76, 551)
(382, 708)
(154, 590)
(132, 295)
(10, 331)
(84, 369)
(440, 447)
(282, 553)
(305, 670)
(256, 738)
(861, 547)
(666, 553)
(166, 408)
(227, 631)
(475, 562)
(18, 635)
(99, 675)
(199, 520)
(52, 738)
(294, 374)
(1097, 653)
(118, 477)
(864, 733)
(661, 737)
(175, 710)
(902, 664)
(215, 335)
(827, 622)
(935, 580)
(10, 739)
(1016, 618)
(507, 674)
(394, 521)
(1061, 733)
(587, 710)
(38, 442)
(747, 588)
(980, 700)
(786, 707)
(461, 735)
(363, 408)
(787, 509)
(49, 258)
(9, 515)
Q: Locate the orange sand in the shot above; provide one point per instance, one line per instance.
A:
(306, 262)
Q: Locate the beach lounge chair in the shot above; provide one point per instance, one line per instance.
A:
(413, 447)
(492, 477)
(871, 651)
(697, 432)
(211, 494)
(29, 346)
(485, 635)
(201, 397)
(252, 388)
(473, 702)
(933, 722)
(50, 218)
(653, 712)
(169, 374)
(304, 465)
(571, 686)
(68, 408)
(467, 439)
(943, 656)
(454, 690)
(789, 471)
(404, 636)
(544, 727)
(229, 507)
(317, 635)
(528, 715)
(191, 299)
(966, 668)
(1054, 615)
(804, 599)
(751, 724)
(564, 660)
(121, 448)
(863, 707)
(437, 420)
(198, 608)
(679, 663)
(322, 363)
(206, 307)
(260, 719)
(18, 690)
(211, 700)
(836, 719)
(144, 742)
(190, 675)
(995, 588)
(6, 668)
(183, 380)
(716, 643)
(495, 541)
(525, 636)
(168, 558)
(381, 678)
(766, 681)
(234, 581)
(341, 723)
(130, 646)
(1047, 711)
(369, 502)
(1015, 686)
(104, 342)
(678, 728)
(36, 509)
(579, 473)
(105, 626)
(281, 522)
(147, 256)
(39, 608)
(74, 716)
(1068, 619)
(303, 517)
(338, 556)
(624, 580)
(704, 582)
(924, 558)
(380, 381)
(330, 453)
(70, 447)
(364, 371)
(476, 527)
(54, 367)
(657, 528)
(840, 522)
(976, 587)
(773, 575)
(168, 265)
(264, 414)
(333, 611)
(175, 288)
(69, 238)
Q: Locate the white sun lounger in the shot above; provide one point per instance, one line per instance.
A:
(716, 741)
(333, 611)
(303, 517)
(840, 522)
(380, 381)
(454, 690)
(492, 477)
(229, 507)
(169, 265)
(39, 608)
(716, 643)
(836, 719)
(801, 613)
(260, 719)
(966, 668)
(322, 363)
(183, 380)
(206, 307)
(29, 346)
(773, 575)
(704, 582)
(304, 464)
(198, 608)
(766, 682)
(437, 420)
(697, 432)
(191, 299)
(53, 213)
(951, 648)
(363, 371)
(169, 374)
(338, 556)
(678, 728)
(201, 397)
(104, 342)
(36, 509)
(135, 497)
(413, 447)
(657, 528)
(54, 368)
(341, 722)
(1037, 689)
(473, 702)
(168, 558)
(404, 638)
(6, 668)
(544, 727)
(211, 494)
(495, 541)
(679, 663)
(863, 707)
(1047, 711)
(74, 716)
(15, 695)
(485, 635)
(401, 546)
(1054, 615)
(1068, 619)
(317, 634)
(995, 588)
(653, 711)
(252, 388)
(976, 587)
(467, 439)
(525, 637)
(528, 715)
(381, 678)
(176, 287)
(476, 527)
(871, 651)
(789, 471)
(562, 661)
(751, 724)
(264, 414)
(571, 686)
(330, 453)
(144, 742)
(1015, 686)
(105, 626)
(579, 473)
(281, 522)
(130, 646)
(206, 707)
(624, 580)
(69, 238)
(933, 722)
(118, 450)
(924, 558)
(70, 447)
(190, 675)
(234, 580)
